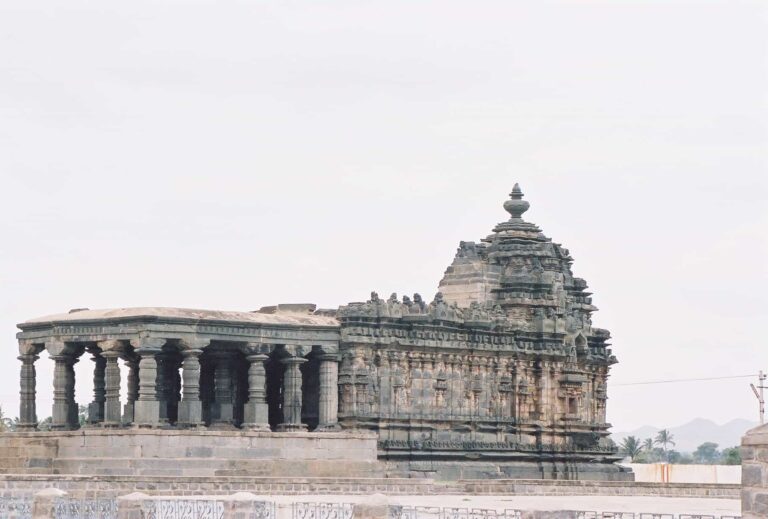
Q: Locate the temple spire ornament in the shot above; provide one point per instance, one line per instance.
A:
(516, 206)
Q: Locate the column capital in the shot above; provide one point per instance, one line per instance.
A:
(254, 348)
(296, 350)
(293, 360)
(59, 348)
(110, 346)
(256, 357)
(29, 348)
(28, 358)
(193, 343)
(194, 353)
(147, 344)
(330, 357)
(65, 359)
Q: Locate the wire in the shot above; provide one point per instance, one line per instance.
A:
(681, 380)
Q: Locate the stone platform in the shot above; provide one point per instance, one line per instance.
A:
(81, 486)
(190, 453)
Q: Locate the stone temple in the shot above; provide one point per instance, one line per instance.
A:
(501, 375)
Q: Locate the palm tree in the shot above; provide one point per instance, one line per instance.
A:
(664, 438)
(630, 446)
(648, 445)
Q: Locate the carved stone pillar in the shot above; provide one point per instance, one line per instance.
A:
(96, 408)
(163, 385)
(174, 375)
(329, 393)
(63, 390)
(256, 411)
(147, 407)
(27, 406)
(110, 351)
(292, 395)
(222, 410)
(73, 415)
(191, 406)
(60, 413)
(132, 390)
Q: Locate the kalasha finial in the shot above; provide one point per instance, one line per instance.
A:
(516, 206)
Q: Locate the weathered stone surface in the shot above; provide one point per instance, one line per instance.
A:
(503, 365)
(754, 473)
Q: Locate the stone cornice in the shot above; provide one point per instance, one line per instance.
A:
(179, 328)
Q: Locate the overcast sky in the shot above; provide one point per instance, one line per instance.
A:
(230, 155)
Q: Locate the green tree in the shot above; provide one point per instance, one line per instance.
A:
(648, 445)
(6, 424)
(630, 446)
(664, 438)
(679, 458)
(45, 424)
(706, 453)
(731, 456)
(82, 414)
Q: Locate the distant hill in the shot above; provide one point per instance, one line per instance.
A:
(692, 434)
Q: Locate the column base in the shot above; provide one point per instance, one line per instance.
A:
(190, 412)
(187, 425)
(95, 413)
(257, 427)
(329, 427)
(222, 426)
(146, 413)
(128, 413)
(26, 427)
(256, 413)
(292, 427)
(65, 427)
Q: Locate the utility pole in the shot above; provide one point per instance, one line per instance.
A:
(759, 394)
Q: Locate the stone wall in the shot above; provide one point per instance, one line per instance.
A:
(112, 486)
(53, 503)
(754, 473)
(675, 473)
(184, 453)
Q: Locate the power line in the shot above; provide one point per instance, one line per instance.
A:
(683, 380)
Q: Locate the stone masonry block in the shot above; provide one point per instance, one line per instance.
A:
(751, 475)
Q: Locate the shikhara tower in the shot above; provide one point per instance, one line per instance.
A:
(501, 375)
(503, 367)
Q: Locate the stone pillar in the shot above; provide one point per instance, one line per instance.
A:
(147, 407)
(96, 408)
(191, 407)
(256, 412)
(74, 414)
(110, 351)
(27, 406)
(292, 395)
(60, 413)
(163, 385)
(132, 391)
(329, 392)
(754, 473)
(63, 385)
(222, 413)
(174, 374)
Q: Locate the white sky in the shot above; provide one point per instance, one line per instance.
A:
(232, 155)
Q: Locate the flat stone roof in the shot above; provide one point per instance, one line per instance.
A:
(187, 314)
